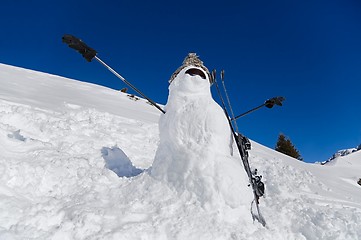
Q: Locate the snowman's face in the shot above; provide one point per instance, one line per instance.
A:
(191, 80)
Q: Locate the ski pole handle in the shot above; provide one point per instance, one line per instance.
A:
(276, 100)
(77, 44)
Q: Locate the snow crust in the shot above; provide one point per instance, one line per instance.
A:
(63, 144)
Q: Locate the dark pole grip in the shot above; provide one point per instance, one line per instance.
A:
(73, 42)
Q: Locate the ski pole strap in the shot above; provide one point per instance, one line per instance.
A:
(73, 42)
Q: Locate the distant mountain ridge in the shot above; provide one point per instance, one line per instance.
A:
(342, 153)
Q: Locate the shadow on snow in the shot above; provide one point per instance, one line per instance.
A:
(117, 161)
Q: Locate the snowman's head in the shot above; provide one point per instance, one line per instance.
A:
(192, 76)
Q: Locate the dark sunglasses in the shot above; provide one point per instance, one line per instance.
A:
(196, 71)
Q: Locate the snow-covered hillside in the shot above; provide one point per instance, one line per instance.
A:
(341, 153)
(73, 165)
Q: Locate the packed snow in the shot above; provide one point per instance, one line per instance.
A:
(76, 163)
(195, 151)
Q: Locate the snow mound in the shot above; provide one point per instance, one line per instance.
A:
(195, 151)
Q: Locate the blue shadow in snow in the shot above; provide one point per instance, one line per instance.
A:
(117, 161)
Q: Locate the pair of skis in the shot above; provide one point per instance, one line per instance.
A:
(243, 145)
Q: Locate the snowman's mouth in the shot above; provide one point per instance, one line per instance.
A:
(196, 71)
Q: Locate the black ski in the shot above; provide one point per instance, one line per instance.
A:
(243, 144)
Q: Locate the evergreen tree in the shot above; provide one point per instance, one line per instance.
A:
(285, 146)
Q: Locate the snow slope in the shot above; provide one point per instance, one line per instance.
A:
(73, 165)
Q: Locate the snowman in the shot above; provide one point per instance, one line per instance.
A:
(195, 154)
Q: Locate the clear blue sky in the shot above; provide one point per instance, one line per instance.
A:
(306, 51)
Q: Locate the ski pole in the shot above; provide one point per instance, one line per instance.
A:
(268, 103)
(229, 102)
(89, 54)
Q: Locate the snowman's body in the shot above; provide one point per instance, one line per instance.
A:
(195, 150)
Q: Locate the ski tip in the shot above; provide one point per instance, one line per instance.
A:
(256, 215)
(213, 76)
